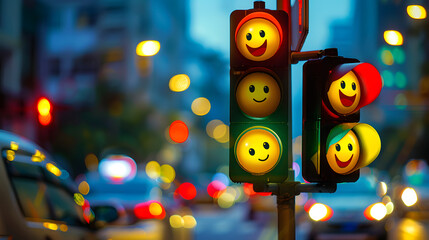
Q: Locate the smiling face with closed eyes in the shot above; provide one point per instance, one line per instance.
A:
(258, 94)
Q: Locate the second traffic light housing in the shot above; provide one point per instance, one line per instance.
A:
(335, 145)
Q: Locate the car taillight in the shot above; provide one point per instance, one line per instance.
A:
(149, 210)
(376, 211)
(320, 212)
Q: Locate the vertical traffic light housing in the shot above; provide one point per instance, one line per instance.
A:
(260, 95)
(335, 145)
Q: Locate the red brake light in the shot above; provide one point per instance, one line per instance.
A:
(149, 210)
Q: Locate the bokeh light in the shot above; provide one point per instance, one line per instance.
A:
(148, 48)
(221, 133)
(390, 207)
(189, 221)
(50, 226)
(240, 196)
(118, 168)
(381, 189)
(53, 169)
(14, 146)
(409, 197)
(226, 200)
(393, 37)
(44, 106)
(201, 106)
(176, 221)
(79, 199)
(178, 131)
(211, 126)
(296, 168)
(416, 12)
(10, 155)
(149, 210)
(155, 209)
(45, 119)
(91, 162)
(167, 174)
(215, 188)
(388, 78)
(187, 190)
(83, 188)
(320, 212)
(376, 211)
(387, 57)
(153, 169)
(179, 83)
(221, 177)
(398, 55)
(63, 228)
(400, 80)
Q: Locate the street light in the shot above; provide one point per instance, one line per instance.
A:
(148, 48)
(393, 37)
(416, 12)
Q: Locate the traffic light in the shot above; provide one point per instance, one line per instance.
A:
(335, 145)
(260, 95)
(44, 108)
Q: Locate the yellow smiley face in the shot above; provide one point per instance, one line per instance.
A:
(343, 155)
(258, 150)
(258, 94)
(258, 39)
(344, 94)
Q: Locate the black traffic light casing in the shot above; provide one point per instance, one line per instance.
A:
(320, 118)
(260, 95)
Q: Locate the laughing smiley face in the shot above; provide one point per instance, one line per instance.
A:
(344, 94)
(343, 155)
(258, 94)
(258, 39)
(258, 150)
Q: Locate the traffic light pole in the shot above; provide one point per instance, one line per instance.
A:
(286, 193)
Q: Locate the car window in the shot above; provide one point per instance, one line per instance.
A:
(16, 168)
(63, 206)
(32, 197)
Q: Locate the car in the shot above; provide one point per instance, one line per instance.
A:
(354, 210)
(411, 192)
(138, 202)
(38, 198)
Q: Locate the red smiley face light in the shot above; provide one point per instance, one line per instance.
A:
(352, 86)
(258, 36)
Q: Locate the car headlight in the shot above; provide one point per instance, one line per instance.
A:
(409, 197)
(376, 211)
(320, 212)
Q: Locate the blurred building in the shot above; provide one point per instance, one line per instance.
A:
(18, 21)
(72, 51)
